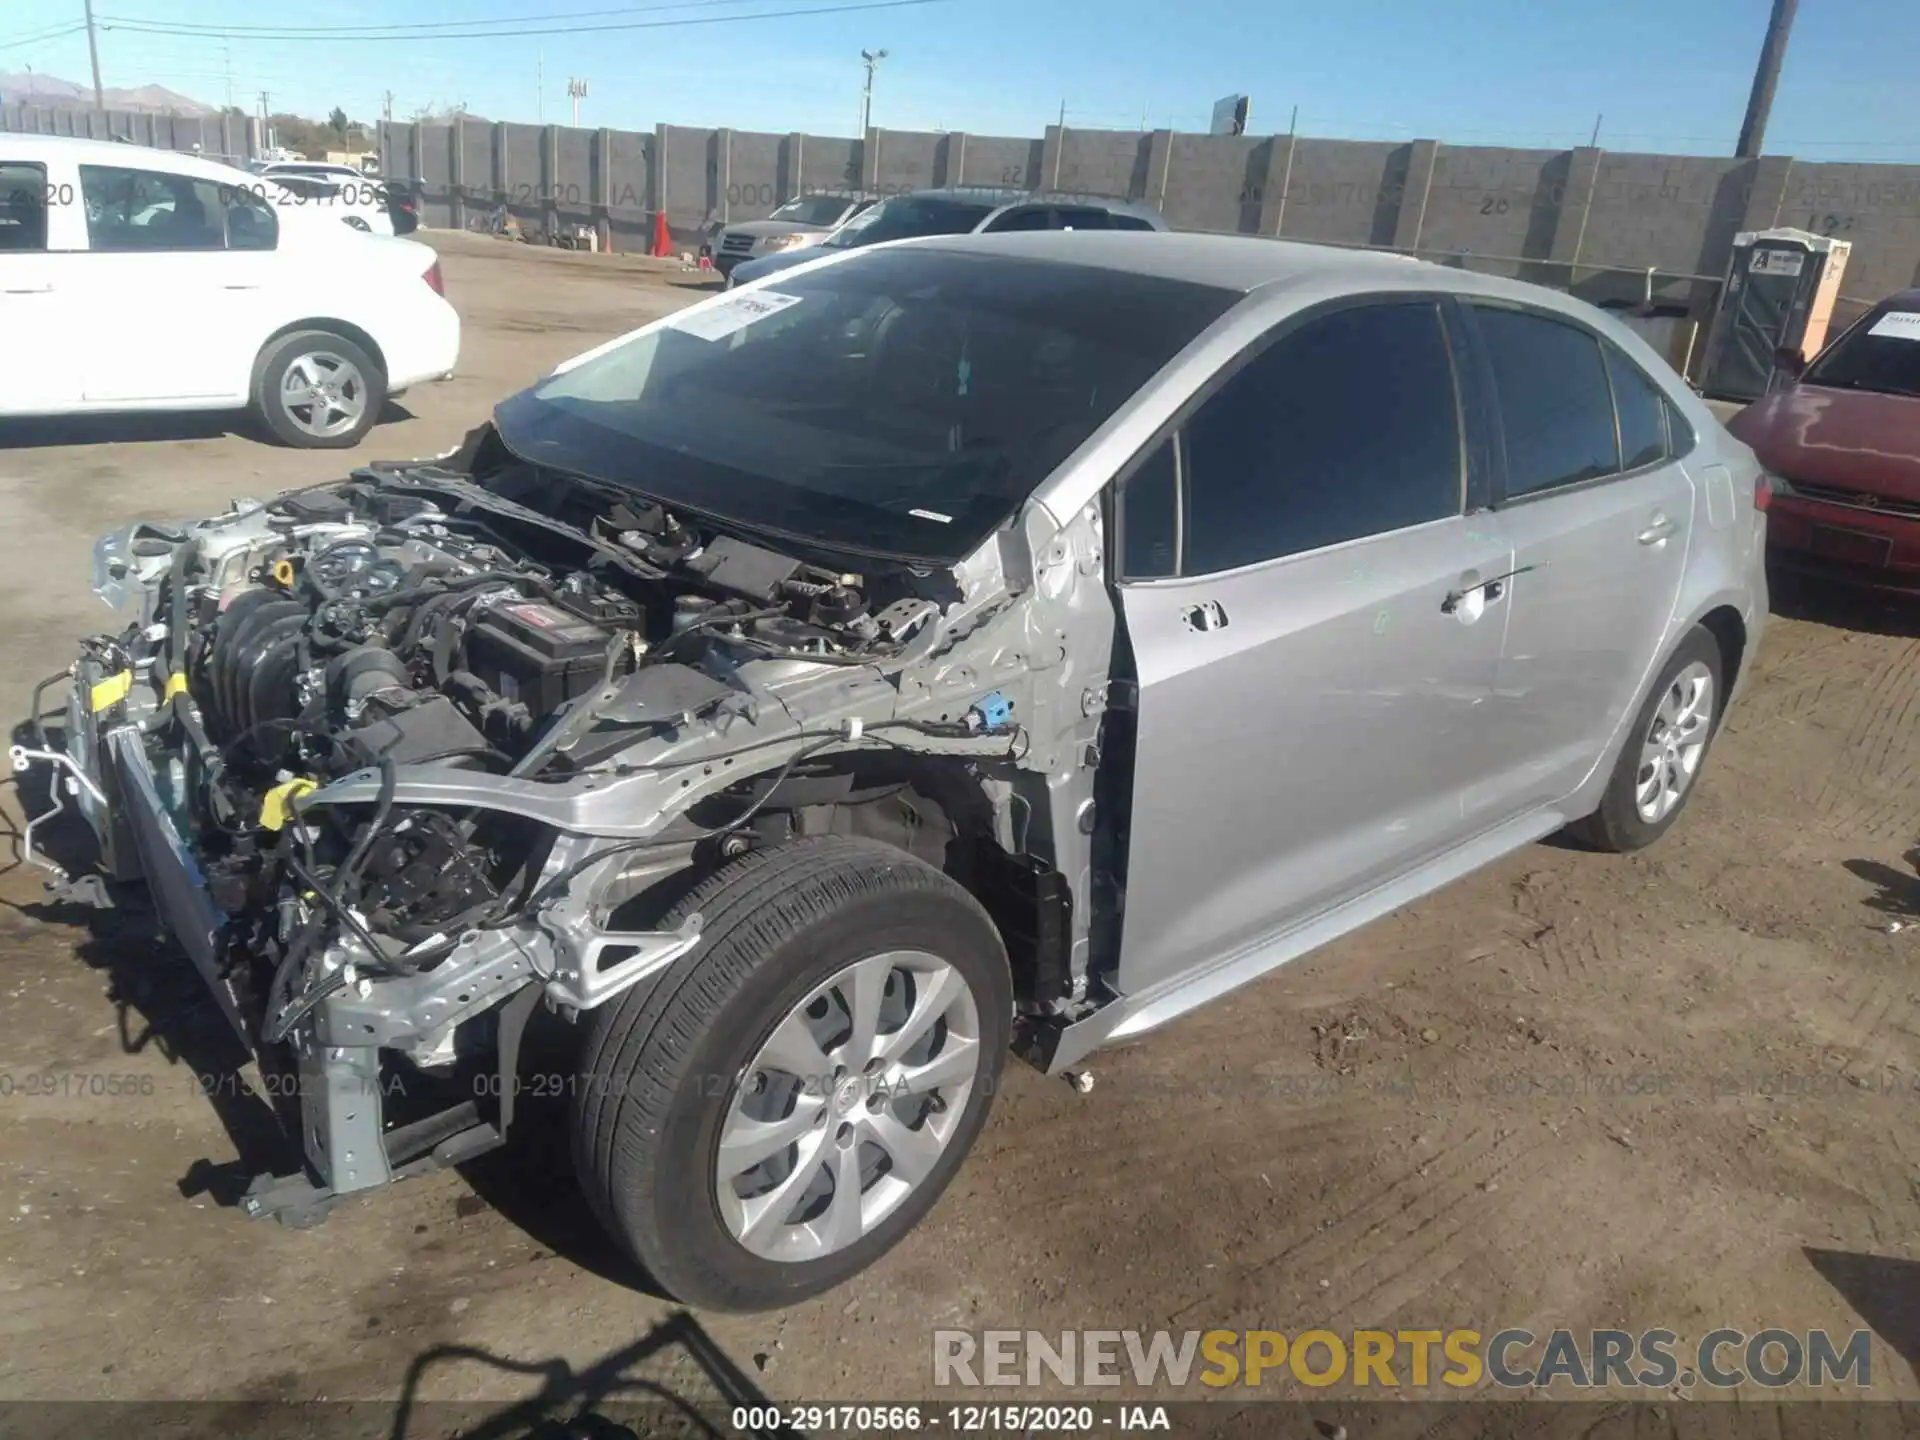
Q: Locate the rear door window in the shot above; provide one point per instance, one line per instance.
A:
(1027, 217)
(1556, 411)
(1082, 217)
(251, 221)
(151, 210)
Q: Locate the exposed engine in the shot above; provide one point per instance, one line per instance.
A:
(533, 627)
(413, 616)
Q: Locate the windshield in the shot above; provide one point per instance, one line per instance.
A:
(1882, 353)
(898, 403)
(905, 216)
(813, 210)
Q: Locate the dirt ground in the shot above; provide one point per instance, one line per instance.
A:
(1675, 1089)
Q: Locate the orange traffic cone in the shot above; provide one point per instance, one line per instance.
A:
(662, 241)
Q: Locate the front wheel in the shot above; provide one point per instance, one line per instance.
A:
(781, 1107)
(1661, 761)
(317, 390)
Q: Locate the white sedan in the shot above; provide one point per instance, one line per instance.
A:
(138, 279)
(337, 190)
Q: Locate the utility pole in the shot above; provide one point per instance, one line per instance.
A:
(264, 112)
(386, 107)
(1773, 53)
(871, 58)
(540, 84)
(1594, 143)
(93, 53)
(577, 90)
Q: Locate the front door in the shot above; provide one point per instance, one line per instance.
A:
(1599, 509)
(37, 372)
(1316, 629)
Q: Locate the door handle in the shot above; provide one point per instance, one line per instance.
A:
(1489, 590)
(1205, 617)
(239, 287)
(1658, 529)
(29, 290)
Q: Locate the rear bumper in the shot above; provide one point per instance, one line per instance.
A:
(1851, 544)
(423, 344)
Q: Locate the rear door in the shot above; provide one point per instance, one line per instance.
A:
(1599, 511)
(171, 311)
(1316, 626)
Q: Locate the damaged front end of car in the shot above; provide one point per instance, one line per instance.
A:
(405, 756)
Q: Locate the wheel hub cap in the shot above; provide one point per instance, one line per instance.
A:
(847, 1106)
(324, 393)
(1675, 741)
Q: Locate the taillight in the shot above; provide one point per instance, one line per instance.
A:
(1762, 486)
(432, 277)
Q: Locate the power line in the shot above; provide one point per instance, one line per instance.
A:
(250, 31)
(323, 37)
(43, 37)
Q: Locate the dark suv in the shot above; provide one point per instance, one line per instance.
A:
(963, 212)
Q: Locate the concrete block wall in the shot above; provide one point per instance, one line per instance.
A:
(993, 160)
(1590, 220)
(1877, 207)
(758, 176)
(216, 135)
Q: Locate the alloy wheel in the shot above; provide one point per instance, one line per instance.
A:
(323, 393)
(1675, 741)
(848, 1106)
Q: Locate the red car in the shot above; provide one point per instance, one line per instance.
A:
(1841, 439)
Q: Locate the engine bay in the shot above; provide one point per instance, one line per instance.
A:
(492, 624)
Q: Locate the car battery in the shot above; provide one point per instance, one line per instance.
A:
(537, 653)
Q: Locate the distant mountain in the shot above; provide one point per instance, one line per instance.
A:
(37, 89)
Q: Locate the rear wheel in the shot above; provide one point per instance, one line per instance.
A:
(317, 390)
(784, 1105)
(1661, 761)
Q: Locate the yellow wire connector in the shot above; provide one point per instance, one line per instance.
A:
(176, 685)
(283, 573)
(276, 806)
(110, 691)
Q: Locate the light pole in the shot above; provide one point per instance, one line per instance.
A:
(872, 59)
(1766, 75)
(577, 90)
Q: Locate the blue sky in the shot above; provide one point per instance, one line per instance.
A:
(1667, 75)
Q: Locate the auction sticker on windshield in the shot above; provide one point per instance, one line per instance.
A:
(736, 313)
(1898, 325)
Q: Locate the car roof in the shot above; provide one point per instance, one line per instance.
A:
(997, 196)
(82, 151)
(1233, 262)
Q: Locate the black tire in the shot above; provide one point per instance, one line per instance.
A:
(660, 1065)
(1618, 826)
(326, 354)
